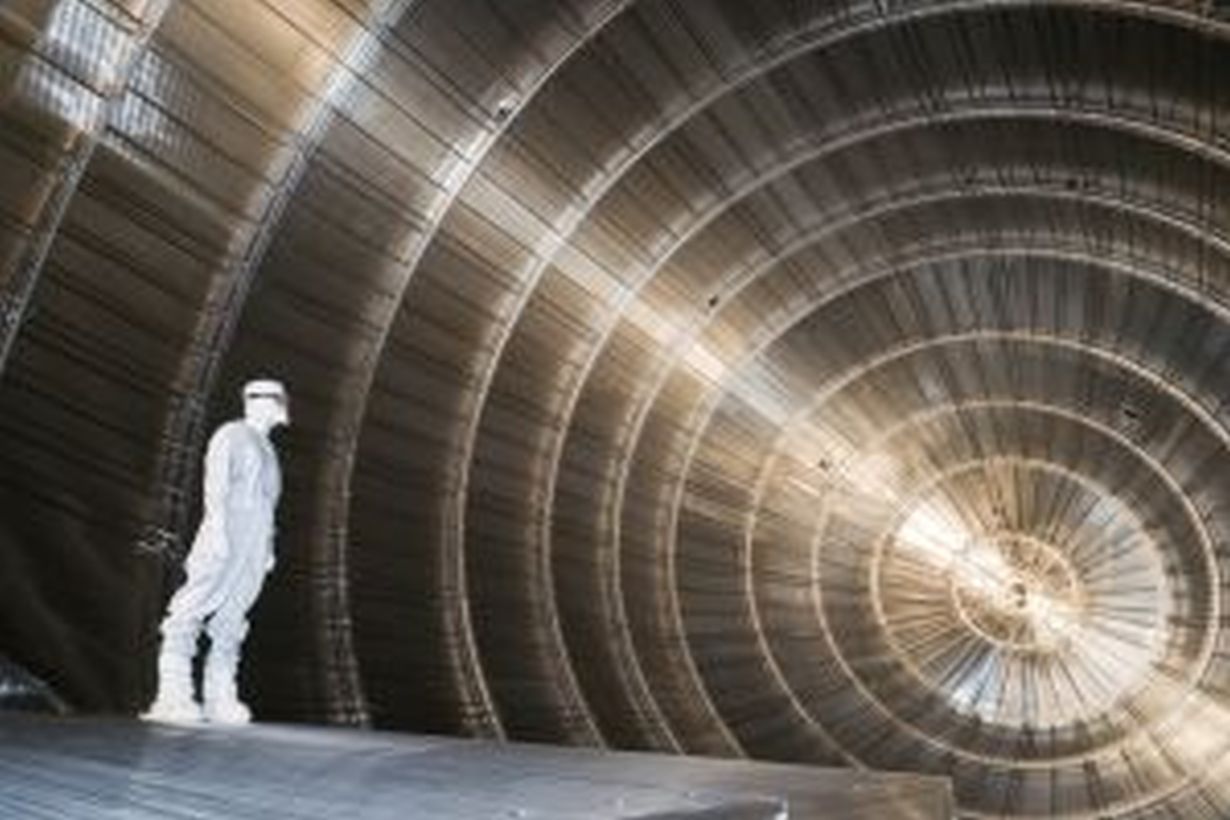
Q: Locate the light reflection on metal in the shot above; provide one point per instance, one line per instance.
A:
(800, 442)
(1130, 665)
(757, 395)
(462, 169)
(76, 74)
(1045, 633)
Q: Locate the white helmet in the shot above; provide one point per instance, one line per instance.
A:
(265, 389)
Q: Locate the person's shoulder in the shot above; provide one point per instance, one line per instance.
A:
(229, 431)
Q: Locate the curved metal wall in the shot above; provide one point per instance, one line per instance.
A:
(827, 382)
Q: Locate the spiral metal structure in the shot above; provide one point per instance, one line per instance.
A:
(840, 382)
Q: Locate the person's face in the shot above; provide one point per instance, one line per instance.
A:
(270, 411)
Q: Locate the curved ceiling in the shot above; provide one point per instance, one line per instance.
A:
(813, 381)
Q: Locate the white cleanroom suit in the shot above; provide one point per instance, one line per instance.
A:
(230, 556)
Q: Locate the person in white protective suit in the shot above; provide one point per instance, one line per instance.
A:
(232, 553)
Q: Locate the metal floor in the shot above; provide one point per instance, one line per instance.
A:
(93, 768)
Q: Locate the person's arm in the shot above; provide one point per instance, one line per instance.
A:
(217, 479)
(273, 530)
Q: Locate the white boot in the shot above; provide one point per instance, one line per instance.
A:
(222, 704)
(175, 702)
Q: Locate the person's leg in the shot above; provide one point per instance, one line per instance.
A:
(219, 687)
(180, 628)
(227, 629)
(189, 607)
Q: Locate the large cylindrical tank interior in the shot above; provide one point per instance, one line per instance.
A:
(840, 382)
